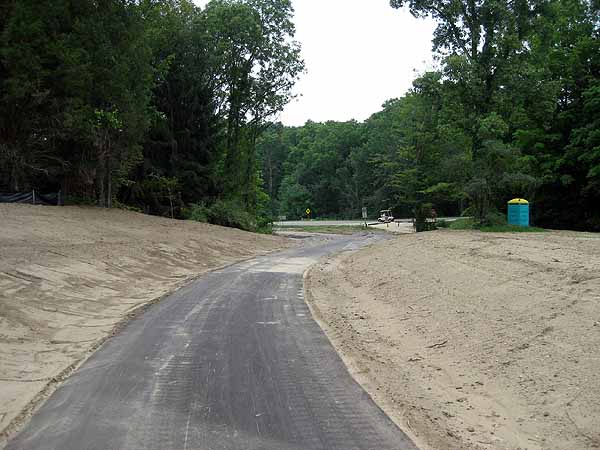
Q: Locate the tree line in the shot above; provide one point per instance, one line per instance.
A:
(165, 107)
(153, 104)
(513, 110)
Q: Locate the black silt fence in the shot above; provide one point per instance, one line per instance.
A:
(32, 198)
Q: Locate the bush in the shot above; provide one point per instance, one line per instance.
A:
(267, 229)
(492, 218)
(463, 224)
(441, 223)
(495, 219)
(230, 213)
(499, 227)
(422, 213)
(197, 212)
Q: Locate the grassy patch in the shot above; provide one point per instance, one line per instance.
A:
(511, 229)
(267, 229)
(341, 229)
(469, 224)
(462, 224)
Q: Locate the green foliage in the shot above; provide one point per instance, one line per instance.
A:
(227, 213)
(442, 223)
(463, 224)
(423, 217)
(495, 218)
(263, 213)
(153, 104)
(512, 112)
(511, 229)
(231, 213)
(252, 43)
(162, 104)
(117, 204)
(197, 212)
(495, 223)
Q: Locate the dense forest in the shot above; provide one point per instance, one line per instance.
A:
(513, 111)
(152, 104)
(166, 107)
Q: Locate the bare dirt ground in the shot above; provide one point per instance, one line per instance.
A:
(69, 275)
(472, 340)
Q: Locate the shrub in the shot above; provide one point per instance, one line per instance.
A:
(197, 212)
(118, 205)
(422, 213)
(441, 223)
(494, 218)
(463, 224)
(230, 213)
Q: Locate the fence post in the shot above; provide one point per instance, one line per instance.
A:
(33, 196)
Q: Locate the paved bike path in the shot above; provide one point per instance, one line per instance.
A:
(233, 361)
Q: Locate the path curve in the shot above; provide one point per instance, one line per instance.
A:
(234, 361)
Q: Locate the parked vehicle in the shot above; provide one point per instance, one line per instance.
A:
(386, 216)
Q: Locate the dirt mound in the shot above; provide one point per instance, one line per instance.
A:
(473, 340)
(69, 275)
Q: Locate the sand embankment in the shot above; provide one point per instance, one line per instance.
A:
(473, 340)
(69, 275)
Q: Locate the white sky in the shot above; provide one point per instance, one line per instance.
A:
(358, 54)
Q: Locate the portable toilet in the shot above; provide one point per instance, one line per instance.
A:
(518, 212)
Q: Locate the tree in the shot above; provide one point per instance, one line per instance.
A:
(256, 62)
(64, 61)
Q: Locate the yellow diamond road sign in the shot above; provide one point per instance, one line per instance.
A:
(308, 211)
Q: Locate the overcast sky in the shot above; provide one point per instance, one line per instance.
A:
(358, 53)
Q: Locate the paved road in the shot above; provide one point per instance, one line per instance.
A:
(322, 223)
(338, 223)
(233, 361)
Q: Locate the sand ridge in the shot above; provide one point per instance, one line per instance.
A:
(473, 340)
(69, 275)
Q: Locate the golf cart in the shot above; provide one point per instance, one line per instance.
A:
(386, 216)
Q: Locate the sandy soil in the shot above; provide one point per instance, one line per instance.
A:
(69, 275)
(397, 227)
(472, 340)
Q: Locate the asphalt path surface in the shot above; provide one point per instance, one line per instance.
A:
(233, 361)
(343, 223)
(323, 223)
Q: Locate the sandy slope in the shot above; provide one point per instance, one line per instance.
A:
(473, 340)
(69, 275)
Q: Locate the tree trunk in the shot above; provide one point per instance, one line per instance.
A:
(14, 182)
(108, 177)
(108, 184)
(101, 176)
(100, 183)
(270, 162)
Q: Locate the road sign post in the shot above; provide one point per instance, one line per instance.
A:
(308, 211)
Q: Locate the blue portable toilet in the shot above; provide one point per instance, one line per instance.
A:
(518, 212)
